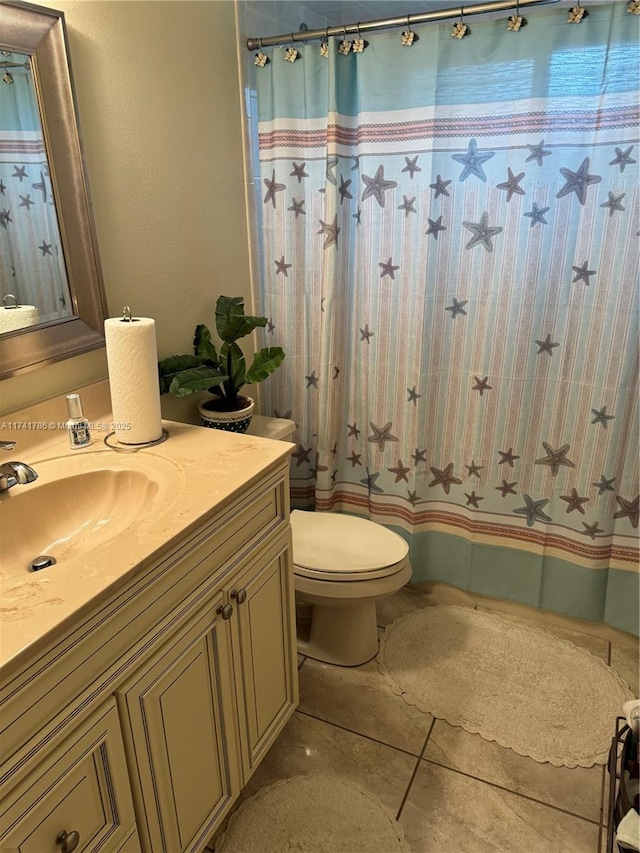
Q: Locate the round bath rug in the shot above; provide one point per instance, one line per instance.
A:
(312, 814)
(539, 695)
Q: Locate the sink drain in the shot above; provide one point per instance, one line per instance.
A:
(42, 562)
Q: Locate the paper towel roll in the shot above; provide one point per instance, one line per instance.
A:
(132, 361)
(18, 318)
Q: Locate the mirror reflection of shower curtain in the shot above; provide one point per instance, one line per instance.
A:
(32, 265)
(450, 263)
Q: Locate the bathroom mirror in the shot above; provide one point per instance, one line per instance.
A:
(42, 171)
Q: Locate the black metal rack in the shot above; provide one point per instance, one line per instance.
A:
(619, 801)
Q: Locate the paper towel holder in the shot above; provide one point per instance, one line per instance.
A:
(132, 448)
(126, 316)
(15, 300)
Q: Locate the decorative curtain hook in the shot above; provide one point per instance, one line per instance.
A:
(459, 29)
(324, 46)
(516, 21)
(260, 58)
(576, 14)
(345, 45)
(358, 43)
(291, 54)
(408, 35)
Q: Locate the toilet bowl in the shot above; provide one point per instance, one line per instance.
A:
(342, 566)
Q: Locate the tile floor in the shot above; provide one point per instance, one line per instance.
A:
(450, 790)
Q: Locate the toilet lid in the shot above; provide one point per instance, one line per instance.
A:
(337, 544)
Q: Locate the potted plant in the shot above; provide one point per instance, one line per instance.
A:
(222, 373)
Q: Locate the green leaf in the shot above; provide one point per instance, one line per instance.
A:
(227, 307)
(232, 357)
(195, 379)
(231, 323)
(168, 367)
(264, 363)
(175, 363)
(203, 345)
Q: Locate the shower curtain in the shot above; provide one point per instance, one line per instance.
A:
(449, 258)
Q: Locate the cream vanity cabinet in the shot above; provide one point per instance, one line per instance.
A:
(137, 728)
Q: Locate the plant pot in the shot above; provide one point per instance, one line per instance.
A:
(232, 421)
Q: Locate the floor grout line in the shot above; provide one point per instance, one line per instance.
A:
(360, 734)
(415, 770)
(510, 791)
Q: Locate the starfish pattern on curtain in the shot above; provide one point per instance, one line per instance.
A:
(462, 288)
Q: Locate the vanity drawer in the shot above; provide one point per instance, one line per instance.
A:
(84, 790)
(248, 522)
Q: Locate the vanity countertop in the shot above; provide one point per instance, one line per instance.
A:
(195, 473)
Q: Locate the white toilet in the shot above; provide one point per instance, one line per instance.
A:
(342, 565)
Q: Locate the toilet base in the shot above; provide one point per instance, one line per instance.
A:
(346, 636)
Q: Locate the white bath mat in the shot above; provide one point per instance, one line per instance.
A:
(312, 814)
(520, 686)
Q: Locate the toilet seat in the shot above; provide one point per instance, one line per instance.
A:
(334, 547)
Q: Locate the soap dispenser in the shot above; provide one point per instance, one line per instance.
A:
(77, 425)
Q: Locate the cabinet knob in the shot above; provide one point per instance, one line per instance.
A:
(240, 595)
(68, 841)
(225, 610)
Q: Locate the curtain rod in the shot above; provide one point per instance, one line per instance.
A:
(387, 23)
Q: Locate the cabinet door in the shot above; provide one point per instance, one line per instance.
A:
(177, 717)
(84, 792)
(264, 650)
(131, 844)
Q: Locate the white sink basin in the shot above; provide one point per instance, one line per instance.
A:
(80, 504)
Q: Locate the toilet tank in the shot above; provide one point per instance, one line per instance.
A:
(279, 429)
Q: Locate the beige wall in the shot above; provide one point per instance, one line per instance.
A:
(160, 112)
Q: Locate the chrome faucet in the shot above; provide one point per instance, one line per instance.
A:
(14, 473)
